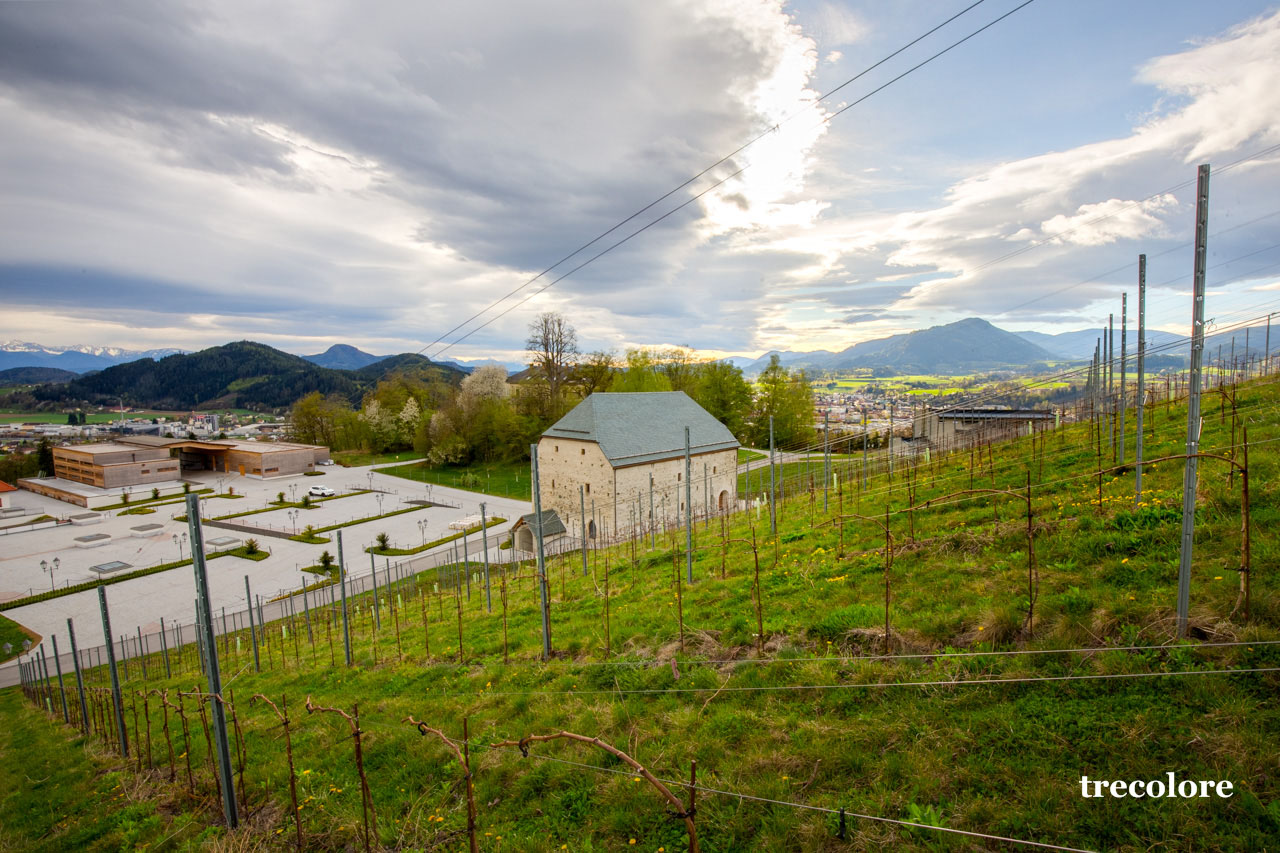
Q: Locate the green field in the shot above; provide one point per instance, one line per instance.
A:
(779, 688)
(358, 458)
(12, 634)
(506, 479)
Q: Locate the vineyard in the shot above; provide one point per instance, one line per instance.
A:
(929, 658)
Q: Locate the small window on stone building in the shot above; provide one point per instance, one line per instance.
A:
(679, 477)
(588, 488)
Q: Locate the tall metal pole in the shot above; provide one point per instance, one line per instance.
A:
(773, 489)
(75, 660)
(688, 511)
(542, 559)
(205, 620)
(116, 701)
(1142, 374)
(1110, 401)
(1189, 476)
(484, 544)
(826, 457)
(342, 580)
(1124, 365)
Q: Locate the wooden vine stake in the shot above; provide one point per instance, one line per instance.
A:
(283, 716)
(464, 761)
(680, 812)
(366, 798)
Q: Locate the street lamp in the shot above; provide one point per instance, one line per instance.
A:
(422, 528)
(293, 492)
(179, 543)
(369, 474)
(49, 569)
(293, 519)
(379, 496)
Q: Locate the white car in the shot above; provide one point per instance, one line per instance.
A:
(321, 492)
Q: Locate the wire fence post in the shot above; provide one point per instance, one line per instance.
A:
(62, 690)
(205, 621)
(1142, 377)
(75, 660)
(342, 576)
(1124, 367)
(116, 702)
(377, 609)
(484, 545)
(1189, 476)
(542, 561)
(688, 510)
(253, 632)
(582, 511)
(773, 489)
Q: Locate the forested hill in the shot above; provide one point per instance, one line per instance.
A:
(243, 374)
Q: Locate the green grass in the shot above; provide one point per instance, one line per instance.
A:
(997, 758)
(358, 458)
(13, 634)
(745, 455)
(418, 549)
(505, 479)
(60, 794)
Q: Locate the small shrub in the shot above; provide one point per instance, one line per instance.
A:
(306, 502)
(309, 531)
(326, 560)
(186, 488)
(279, 497)
(124, 498)
(469, 481)
(384, 541)
(155, 494)
(251, 546)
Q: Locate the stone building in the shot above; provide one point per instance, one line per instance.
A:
(626, 451)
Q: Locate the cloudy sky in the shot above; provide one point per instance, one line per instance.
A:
(303, 174)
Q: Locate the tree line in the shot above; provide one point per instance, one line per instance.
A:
(492, 417)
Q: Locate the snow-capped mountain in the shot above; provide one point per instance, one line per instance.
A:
(79, 358)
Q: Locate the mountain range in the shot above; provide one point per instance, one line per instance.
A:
(975, 345)
(346, 357)
(236, 375)
(78, 359)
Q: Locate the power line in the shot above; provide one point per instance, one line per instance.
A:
(771, 129)
(825, 120)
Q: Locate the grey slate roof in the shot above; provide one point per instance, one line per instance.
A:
(551, 523)
(638, 427)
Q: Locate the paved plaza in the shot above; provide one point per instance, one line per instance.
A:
(142, 602)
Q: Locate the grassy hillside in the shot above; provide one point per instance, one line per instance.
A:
(793, 722)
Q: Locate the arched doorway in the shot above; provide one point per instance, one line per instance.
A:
(524, 539)
(723, 501)
(591, 529)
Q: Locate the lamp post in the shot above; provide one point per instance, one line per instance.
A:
(49, 569)
(293, 492)
(293, 519)
(179, 542)
(369, 474)
(379, 496)
(422, 528)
